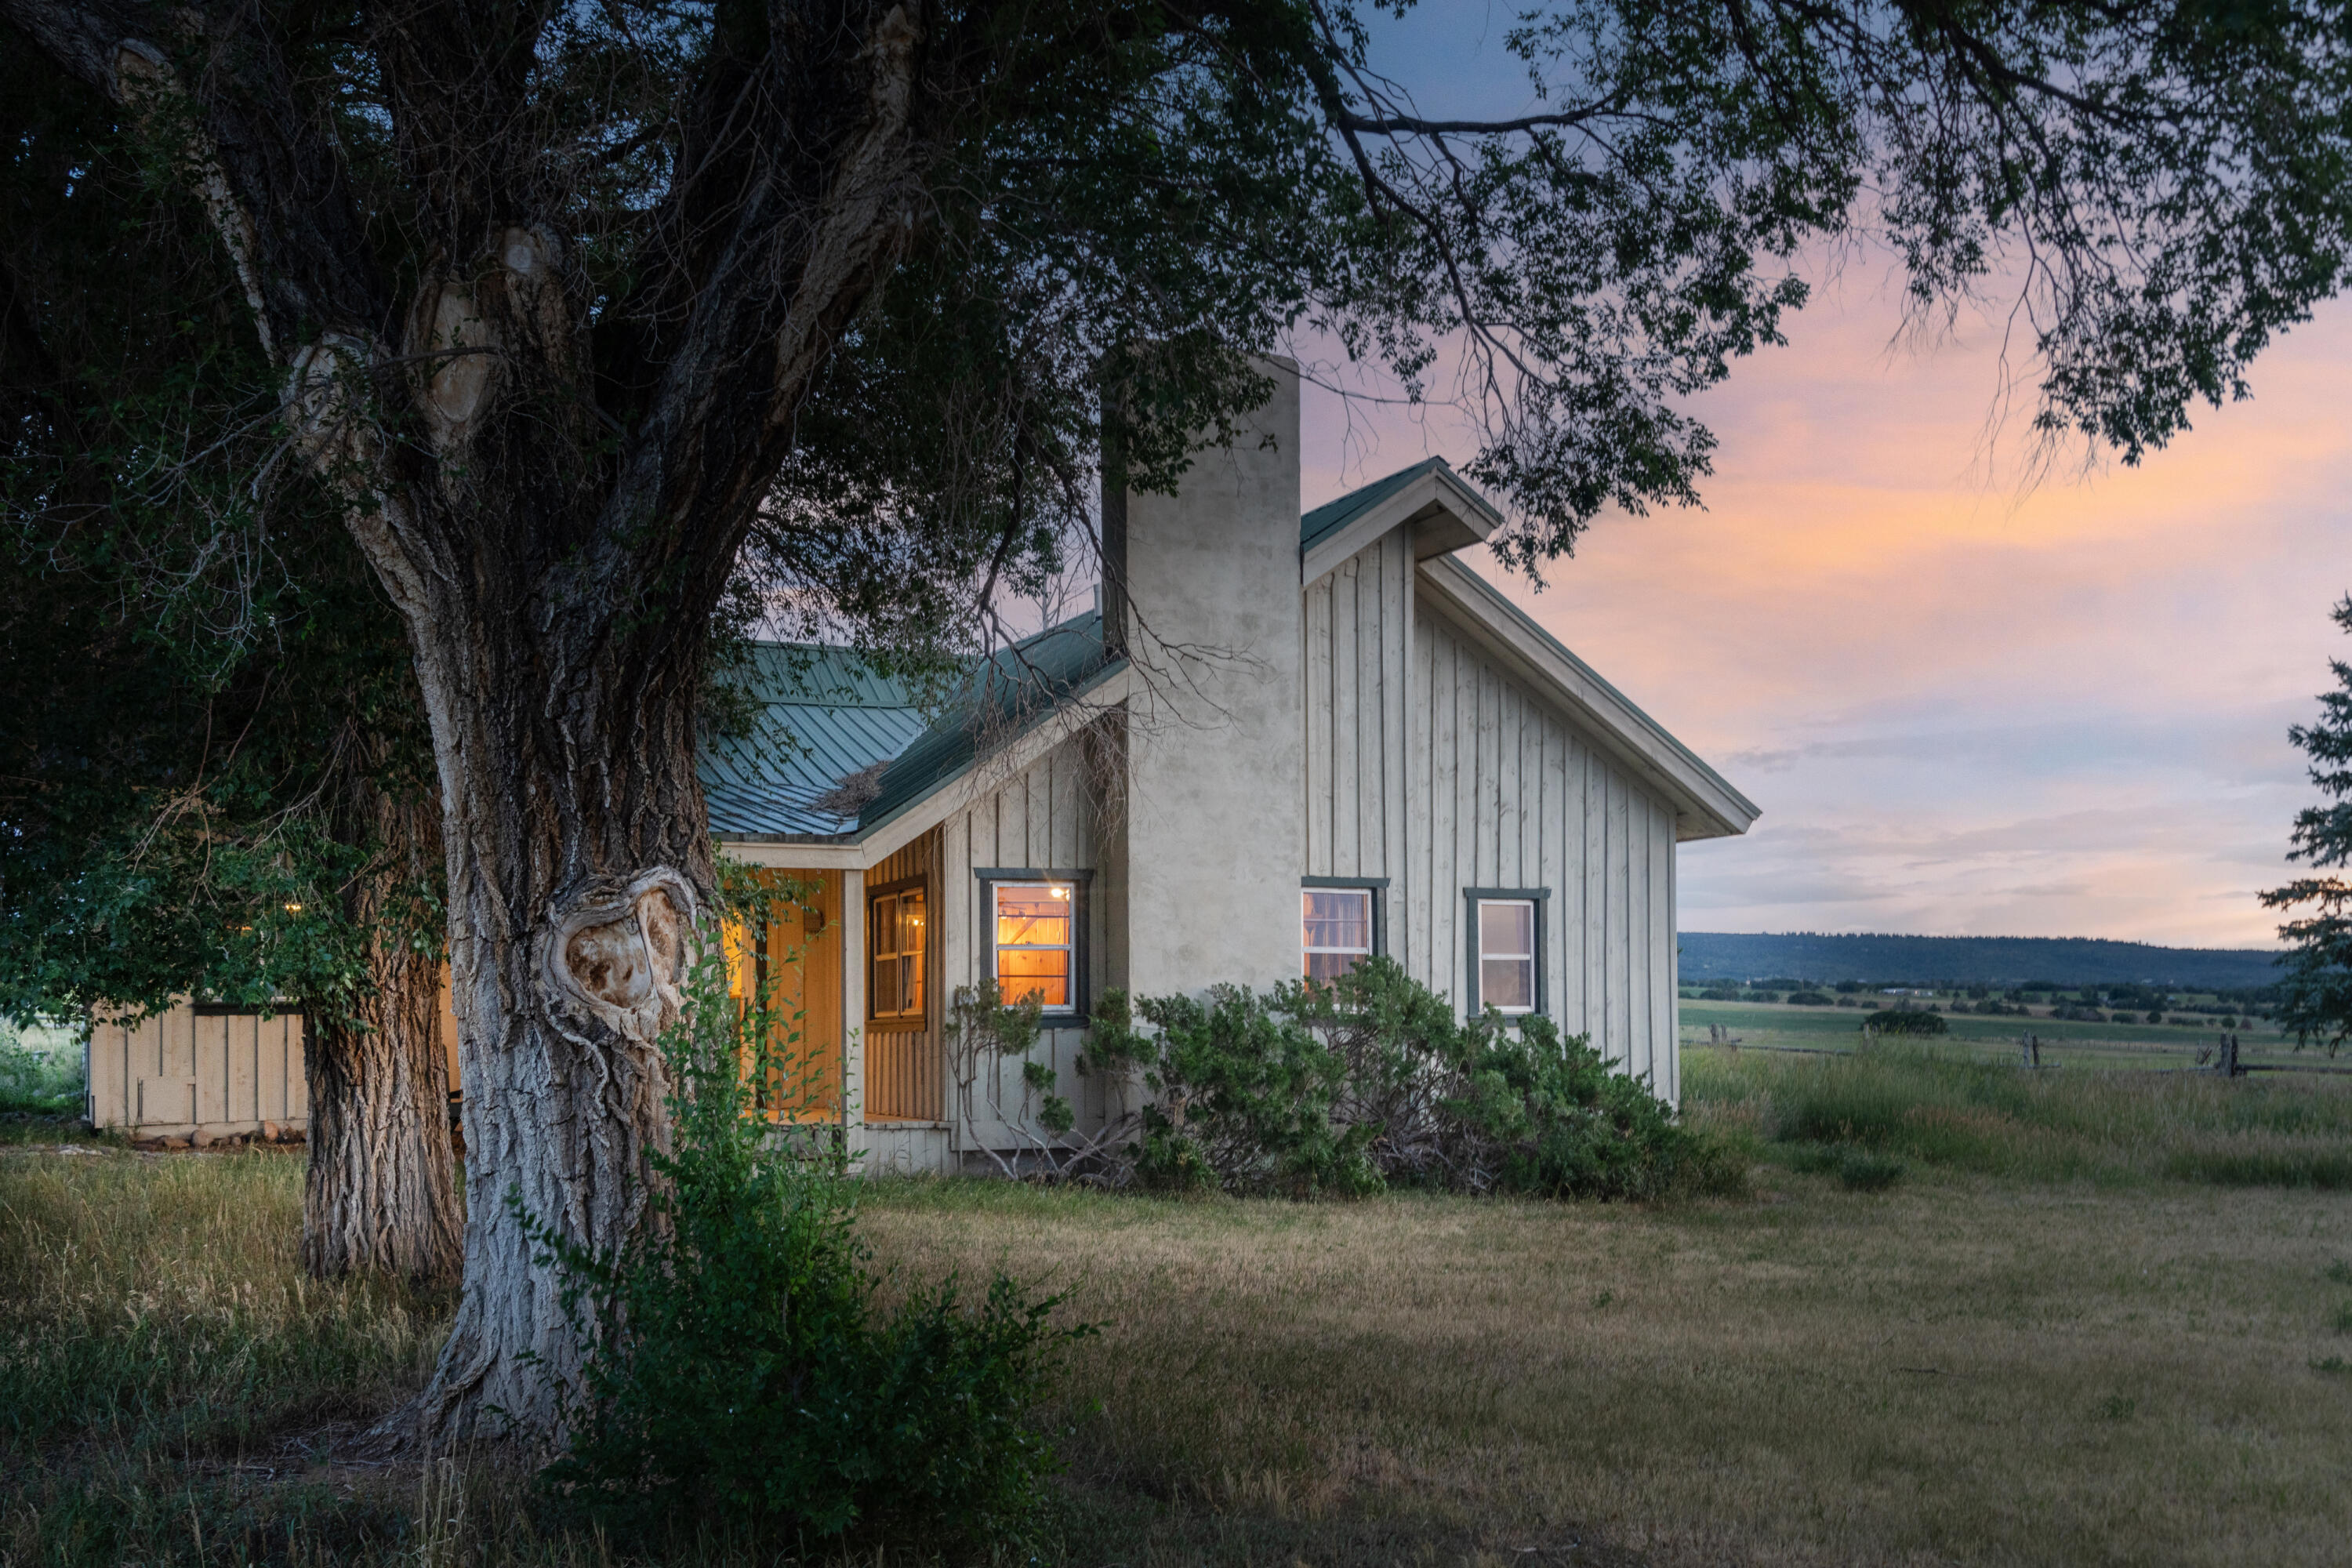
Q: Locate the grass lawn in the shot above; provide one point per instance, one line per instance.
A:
(2051, 1341)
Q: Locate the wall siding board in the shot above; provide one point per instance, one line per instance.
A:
(1347, 711)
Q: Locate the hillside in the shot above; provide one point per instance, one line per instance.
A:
(1970, 959)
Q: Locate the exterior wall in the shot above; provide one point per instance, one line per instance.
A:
(1505, 792)
(1048, 817)
(902, 1081)
(189, 1073)
(1428, 766)
(1358, 713)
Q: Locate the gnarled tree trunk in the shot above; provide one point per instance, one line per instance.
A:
(383, 1189)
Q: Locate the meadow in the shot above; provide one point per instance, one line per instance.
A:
(2092, 1318)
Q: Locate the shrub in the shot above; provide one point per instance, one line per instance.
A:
(1903, 1021)
(743, 1369)
(37, 1079)
(1371, 1080)
(1720, 993)
(1811, 999)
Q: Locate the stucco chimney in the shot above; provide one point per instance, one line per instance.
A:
(1213, 840)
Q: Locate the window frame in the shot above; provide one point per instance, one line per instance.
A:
(1378, 887)
(1472, 898)
(920, 1016)
(1077, 1015)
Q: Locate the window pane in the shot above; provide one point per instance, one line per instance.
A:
(1507, 928)
(910, 983)
(1046, 975)
(1033, 915)
(911, 922)
(1340, 917)
(1331, 965)
(1508, 983)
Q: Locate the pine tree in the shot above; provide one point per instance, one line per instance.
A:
(2318, 986)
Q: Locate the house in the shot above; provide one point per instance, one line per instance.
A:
(1279, 743)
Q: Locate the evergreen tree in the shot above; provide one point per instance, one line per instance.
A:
(2316, 994)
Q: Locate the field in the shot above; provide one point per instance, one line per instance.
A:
(2096, 1317)
(1777, 1026)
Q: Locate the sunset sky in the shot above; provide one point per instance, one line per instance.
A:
(1966, 702)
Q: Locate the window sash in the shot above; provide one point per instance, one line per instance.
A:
(1036, 945)
(1506, 954)
(898, 935)
(1335, 930)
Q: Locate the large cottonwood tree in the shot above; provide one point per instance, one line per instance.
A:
(571, 304)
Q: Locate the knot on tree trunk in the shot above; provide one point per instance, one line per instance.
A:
(621, 951)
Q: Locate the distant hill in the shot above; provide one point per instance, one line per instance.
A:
(1971, 959)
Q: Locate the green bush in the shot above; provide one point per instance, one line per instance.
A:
(1811, 999)
(38, 1079)
(744, 1371)
(1903, 1021)
(1371, 1081)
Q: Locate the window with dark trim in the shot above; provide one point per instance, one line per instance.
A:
(1505, 928)
(1339, 924)
(897, 936)
(1034, 941)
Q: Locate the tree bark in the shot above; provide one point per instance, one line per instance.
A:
(383, 1189)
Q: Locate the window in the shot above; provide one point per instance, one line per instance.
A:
(896, 940)
(1337, 930)
(1506, 954)
(1036, 944)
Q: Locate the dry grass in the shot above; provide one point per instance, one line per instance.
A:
(1991, 1368)
(1958, 1372)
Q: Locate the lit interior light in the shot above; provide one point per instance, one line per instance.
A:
(293, 909)
(1061, 892)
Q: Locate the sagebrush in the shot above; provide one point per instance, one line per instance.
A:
(1371, 1081)
(747, 1369)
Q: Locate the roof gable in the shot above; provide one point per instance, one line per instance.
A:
(1443, 510)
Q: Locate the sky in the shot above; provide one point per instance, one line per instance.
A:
(1969, 700)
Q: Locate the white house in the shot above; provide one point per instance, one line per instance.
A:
(1283, 742)
(1303, 739)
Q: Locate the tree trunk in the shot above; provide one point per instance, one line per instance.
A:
(383, 1192)
(578, 865)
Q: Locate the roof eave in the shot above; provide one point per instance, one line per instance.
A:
(1443, 510)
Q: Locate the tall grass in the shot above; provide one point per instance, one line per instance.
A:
(1942, 1109)
(158, 1304)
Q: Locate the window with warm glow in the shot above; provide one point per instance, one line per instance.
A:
(1036, 944)
(896, 937)
(1506, 954)
(1336, 930)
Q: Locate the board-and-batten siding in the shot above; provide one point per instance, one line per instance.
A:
(902, 1075)
(1513, 795)
(1428, 765)
(182, 1071)
(1044, 818)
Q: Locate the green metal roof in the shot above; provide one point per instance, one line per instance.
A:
(826, 717)
(1332, 516)
(823, 715)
